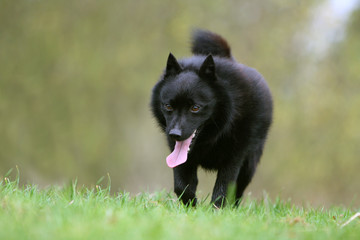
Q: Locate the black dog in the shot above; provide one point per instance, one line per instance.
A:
(216, 113)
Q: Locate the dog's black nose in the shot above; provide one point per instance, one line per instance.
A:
(175, 134)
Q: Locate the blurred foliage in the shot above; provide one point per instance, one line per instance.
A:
(76, 77)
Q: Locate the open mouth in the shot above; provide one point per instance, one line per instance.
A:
(181, 150)
(194, 136)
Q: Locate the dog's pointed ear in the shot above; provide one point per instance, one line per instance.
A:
(207, 69)
(172, 66)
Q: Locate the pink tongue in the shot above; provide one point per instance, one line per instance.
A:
(179, 155)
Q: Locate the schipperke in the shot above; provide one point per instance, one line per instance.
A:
(216, 114)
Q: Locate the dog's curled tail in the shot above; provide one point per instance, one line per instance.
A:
(205, 43)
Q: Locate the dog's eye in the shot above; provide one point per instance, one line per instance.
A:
(195, 108)
(168, 107)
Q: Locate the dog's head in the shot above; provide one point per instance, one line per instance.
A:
(183, 101)
(187, 98)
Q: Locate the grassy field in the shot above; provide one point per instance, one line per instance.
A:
(74, 212)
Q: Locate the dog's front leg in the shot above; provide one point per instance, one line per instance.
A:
(185, 183)
(226, 175)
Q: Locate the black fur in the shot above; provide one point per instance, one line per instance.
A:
(235, 113)
(205, 43)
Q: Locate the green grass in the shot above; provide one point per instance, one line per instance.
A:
(73, 212)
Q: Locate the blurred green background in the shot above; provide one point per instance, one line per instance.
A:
(76, 78)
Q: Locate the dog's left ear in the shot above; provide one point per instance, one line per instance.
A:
(172, 66)
(207, 69)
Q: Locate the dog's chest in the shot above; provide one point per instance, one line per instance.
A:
(207, 157)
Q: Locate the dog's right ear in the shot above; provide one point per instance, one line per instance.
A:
(207, 69)
(172, 66)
